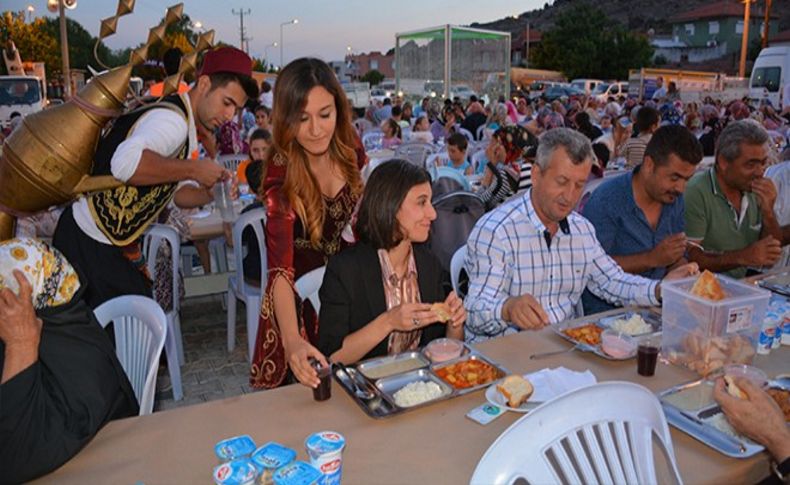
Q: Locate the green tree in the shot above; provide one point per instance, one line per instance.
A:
(33, 43)
(81, 45)
(373, 77)
(585, 43)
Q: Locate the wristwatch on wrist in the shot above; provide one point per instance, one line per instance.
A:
(782, 470)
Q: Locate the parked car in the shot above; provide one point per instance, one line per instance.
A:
(604, 91)
(462, 91)
(586, 85)
(556, 92)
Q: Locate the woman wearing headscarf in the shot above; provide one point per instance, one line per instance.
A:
(61, 380)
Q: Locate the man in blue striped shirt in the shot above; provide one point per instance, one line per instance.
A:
(530, 259)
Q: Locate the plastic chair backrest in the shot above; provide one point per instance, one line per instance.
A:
(363, 126)
(451, 173)
(255, 219)
(468, 134)
(478, 158)
(456, 215)
(140, 328)
(480, 133)
(589, 188)
(440, 158)
(584, 436)
(415, 153)
(155, 236)
(456, 266)
(308, 284)
(232, 162)
(372, 140)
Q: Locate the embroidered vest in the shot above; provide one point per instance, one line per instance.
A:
(122, 214)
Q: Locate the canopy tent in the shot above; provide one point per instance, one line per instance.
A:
(449, 61)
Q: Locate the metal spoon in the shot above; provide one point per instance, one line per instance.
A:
(555, 352)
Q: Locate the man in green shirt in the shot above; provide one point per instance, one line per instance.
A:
(729, 207)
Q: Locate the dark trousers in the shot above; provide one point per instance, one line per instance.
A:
(106, 271)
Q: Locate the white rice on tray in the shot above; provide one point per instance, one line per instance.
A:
(415, 393)
(635, 325)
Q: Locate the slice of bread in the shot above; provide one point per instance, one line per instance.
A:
(442, 311)
(733, 389)
(708, 286)
(516, 390)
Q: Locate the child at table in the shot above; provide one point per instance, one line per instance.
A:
(456, 152)
(260, 141)
(392, 134)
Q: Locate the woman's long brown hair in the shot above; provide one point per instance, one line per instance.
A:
(290, 98)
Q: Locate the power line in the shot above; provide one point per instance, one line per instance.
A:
(242, 33)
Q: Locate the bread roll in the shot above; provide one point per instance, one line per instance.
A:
(516, 390)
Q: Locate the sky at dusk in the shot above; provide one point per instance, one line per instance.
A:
(325, 28)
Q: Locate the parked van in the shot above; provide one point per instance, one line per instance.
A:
(604, 91)
(770, 73)
(586, 85)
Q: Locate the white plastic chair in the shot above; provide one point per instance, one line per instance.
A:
(155, 237)
(440, 158)
(585, 436)
(478, 158)
(308, 284)
(456, 265)
(468, 134)
(372, 140)
(232, 162)
(238, 289)
(363, 126)
(140, 328)
(415, 153)
(447, 172)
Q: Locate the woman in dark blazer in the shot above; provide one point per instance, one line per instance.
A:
(376, 297)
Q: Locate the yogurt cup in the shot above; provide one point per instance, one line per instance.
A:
(443, 349)
(616, 344)
(325, 450)
(236, 472)
(271, 457)
(298, 473)
(234, 448)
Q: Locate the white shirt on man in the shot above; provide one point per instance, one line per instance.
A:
(160, 130)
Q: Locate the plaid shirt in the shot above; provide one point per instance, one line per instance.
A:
(508, 255)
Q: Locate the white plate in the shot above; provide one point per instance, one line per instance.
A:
(201, 214)
(497, 399)
(548, 384)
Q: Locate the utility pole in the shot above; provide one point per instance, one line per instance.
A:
(241, 13)
(64, 50)
(745, 39)
(766, 22)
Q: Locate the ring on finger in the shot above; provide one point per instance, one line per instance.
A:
(415, 321)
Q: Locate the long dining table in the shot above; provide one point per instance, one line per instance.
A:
(435, 444)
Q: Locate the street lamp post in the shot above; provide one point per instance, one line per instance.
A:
(266, 51)
(294, 21)
(744, 39)
(30, 10)
(64, 50)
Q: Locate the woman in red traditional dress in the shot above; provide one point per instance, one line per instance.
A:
(312, 186)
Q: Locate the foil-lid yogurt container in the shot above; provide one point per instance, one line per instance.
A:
(234, 448)
(298, 473)
(236, 472)
(271, 457)
(325, 450)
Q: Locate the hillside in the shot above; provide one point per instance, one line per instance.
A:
(637, 15)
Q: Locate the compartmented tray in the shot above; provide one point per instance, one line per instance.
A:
(382, 377)
(778, 283)
(690, 407)
(604, 321)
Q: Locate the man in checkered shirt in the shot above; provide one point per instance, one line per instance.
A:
(530, 259)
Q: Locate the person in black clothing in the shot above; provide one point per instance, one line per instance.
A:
(586, 128)
(376, 296)
(61, 380)
(252, 261)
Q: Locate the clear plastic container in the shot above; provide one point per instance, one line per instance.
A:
(616, 344)
(705, 335)
(444, 349)
(741, 371)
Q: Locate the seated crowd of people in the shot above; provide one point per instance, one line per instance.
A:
(531, 259)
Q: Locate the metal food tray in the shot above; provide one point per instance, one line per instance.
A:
(695, 422)
(604, 320)
(382, 404)
(779, 283)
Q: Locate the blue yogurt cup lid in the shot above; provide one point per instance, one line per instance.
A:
(236, 472)
(233, 448)
(297, 473)
(324, 442)
(273, 455)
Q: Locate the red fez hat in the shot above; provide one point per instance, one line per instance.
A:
(226, 59)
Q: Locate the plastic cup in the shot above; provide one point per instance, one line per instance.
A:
(223, 200)
(618, 344)
(647, 356)
(743, 371)
(324, 389)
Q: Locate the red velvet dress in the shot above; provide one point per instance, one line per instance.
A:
(290, 255)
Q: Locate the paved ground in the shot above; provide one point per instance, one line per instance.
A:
(210, 372)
